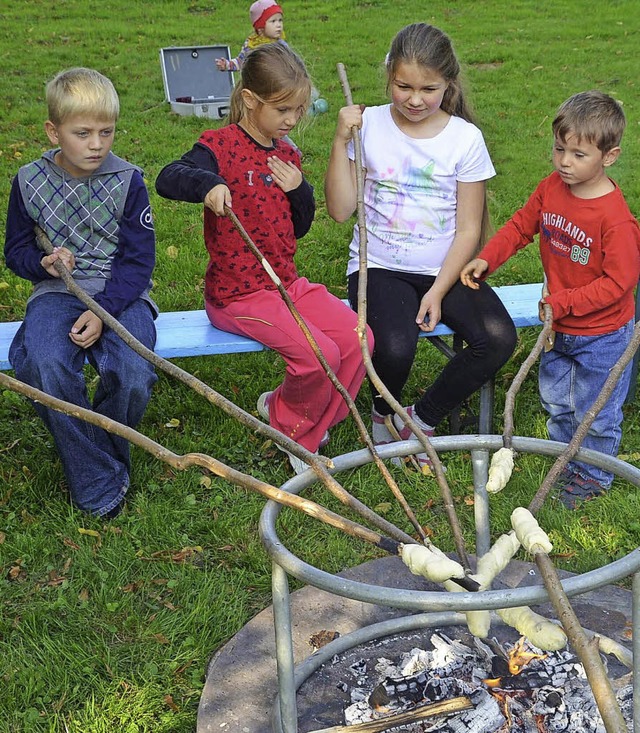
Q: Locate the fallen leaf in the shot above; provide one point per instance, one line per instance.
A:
(383, 507)
(90, 532)
(169, 700)
(161, 639)
(322, 638)
(83, 596)
(131, 587)
(172, 252)
(3, 537)
(16, 573)
(205, 481)
(173, 423)
(70, 543)
(469, 500)
(55, 579)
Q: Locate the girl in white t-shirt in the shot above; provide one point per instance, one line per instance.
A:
(425, 166)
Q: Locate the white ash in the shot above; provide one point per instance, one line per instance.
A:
(552, 691)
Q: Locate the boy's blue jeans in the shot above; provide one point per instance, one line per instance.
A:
(96, 462)
(570, 378)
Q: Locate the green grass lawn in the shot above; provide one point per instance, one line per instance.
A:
(109, 626)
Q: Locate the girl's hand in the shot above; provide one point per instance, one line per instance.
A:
(217, 199)
(86, 330)
(348, 118)
(472, 272)
(59, 254)
(286, 175)
(430, 306)
(221, 64)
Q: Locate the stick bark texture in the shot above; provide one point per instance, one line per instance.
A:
(443, 707)
(445, 491)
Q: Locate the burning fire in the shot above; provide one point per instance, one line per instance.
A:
(518, 659)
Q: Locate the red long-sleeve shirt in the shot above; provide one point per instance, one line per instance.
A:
(590, 251)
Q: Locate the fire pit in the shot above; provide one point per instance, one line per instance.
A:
(399, 676)
(440, 607)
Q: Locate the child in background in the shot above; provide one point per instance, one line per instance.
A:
(248, 163)
(267, 21)
(590, 250)
(94, 207)
(425, 166)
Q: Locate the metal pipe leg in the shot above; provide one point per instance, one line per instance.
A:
(635, 625)
(480, 463)
(284, 649)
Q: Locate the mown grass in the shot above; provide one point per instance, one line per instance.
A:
(109, 626)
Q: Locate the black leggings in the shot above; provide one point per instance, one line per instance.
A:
(478, 316)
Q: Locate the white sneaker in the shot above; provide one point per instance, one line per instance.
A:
(298, 465)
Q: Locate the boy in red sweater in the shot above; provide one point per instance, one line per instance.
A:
(590, 251)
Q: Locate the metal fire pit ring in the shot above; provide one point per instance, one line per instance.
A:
(439, 607)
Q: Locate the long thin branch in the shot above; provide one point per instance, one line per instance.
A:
(395, 489)
(404, 718)
(574, 444)
(518, 380)
(317, 462)
(218, 468)
(587, 650)
(445, 491)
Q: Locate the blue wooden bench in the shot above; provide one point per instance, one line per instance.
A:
(189, 333)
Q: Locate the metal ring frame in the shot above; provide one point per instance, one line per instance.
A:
(438, 608)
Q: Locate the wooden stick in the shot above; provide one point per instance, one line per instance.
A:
(574, 444)
(587, 650)
(395, 720)
(317, 462)
(445, 491)
(516, 384)
(169, 367)
(216, 467)
(395, 489)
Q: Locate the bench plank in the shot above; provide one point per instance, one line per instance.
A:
(189, 333)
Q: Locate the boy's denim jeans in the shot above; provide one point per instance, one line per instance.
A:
(570, 378)
(95, 462)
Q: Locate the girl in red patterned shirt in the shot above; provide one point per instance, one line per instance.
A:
(250, 166)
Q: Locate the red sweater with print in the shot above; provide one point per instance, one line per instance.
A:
(263, 209)
(590, 251)
(272, 218)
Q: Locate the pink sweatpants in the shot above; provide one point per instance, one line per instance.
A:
(306, 404)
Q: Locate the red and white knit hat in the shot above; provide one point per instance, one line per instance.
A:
(261, 11)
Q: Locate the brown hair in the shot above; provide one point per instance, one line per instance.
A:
(81, 91)
(593, 116)
(274, 74)
(431, 48)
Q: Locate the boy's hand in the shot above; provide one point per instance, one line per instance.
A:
(286, 175)
(86, 330)
(430, 305)
(217, 199)
(348, 118)
(59, 254)
(471, 273)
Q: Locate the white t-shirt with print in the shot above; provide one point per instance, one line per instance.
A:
(410, 190)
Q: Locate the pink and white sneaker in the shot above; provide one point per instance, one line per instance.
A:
(404, 433)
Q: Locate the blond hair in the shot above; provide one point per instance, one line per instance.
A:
(274, 74)
(81, 91)
(593, 116)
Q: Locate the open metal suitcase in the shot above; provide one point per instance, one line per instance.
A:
(193, 85)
